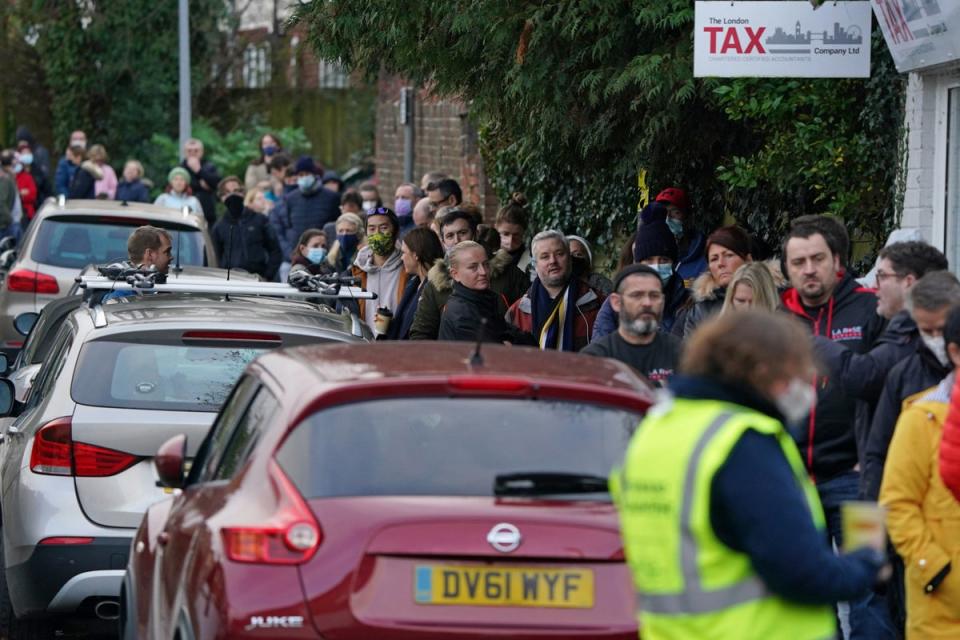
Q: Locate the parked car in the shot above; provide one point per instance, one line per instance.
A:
(387, 491)
(118, 380)
(66, 236)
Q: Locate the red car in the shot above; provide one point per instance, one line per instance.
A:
(396, 491)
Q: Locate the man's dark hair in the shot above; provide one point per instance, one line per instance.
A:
(951, 329)
(632, 270)
(7, 158)
(352, 197)
(917, 258)
(934, 291)
(458, 214)
(143, 238)
(449, 187)
(280, 161)
(832, 230)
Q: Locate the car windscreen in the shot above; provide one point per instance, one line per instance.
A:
(458, 447)
(76, 241)
(168, 377)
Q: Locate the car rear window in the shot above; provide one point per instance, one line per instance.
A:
(451, 446)
(168, 377)
(77, 241)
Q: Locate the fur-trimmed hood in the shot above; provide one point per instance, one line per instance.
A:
(705, 288)
(92, 168)
(439, 274)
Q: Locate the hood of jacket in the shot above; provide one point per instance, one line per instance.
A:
(706, 288)
(846, 289)
(499, 263)
(439, 276)
(364, 261)
(900, 330)
(92, 168)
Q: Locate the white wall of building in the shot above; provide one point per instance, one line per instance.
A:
(931, 196)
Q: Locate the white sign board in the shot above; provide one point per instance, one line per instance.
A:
(782, 39)
(920, 33)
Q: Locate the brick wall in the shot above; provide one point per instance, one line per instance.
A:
(445, 141)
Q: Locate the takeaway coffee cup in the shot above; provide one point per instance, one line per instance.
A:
(381, 322)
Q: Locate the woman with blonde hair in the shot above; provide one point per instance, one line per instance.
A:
(350, 234)
(752, 286)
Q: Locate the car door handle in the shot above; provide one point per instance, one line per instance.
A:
(163, 538)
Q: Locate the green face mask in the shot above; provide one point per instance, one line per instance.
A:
(382, 244)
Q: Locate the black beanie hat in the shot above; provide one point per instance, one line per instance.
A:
(654, 237)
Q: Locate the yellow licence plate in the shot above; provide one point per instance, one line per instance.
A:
(503, 586)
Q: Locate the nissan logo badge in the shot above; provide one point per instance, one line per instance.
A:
(504, 537)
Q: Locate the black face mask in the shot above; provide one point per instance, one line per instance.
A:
(234, 205)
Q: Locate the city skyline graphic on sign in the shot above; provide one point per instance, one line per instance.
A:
(840, 36)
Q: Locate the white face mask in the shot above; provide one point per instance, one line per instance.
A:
(797, 401)
(937, 346)
(369, 204)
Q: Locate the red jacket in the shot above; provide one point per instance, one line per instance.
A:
(27, 187)
(950, 444)
(589, 302)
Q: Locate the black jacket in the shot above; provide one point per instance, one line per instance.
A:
(208, 173)
(399, 328)
(917, 373)
(465, 310)
(862, 375)
(827, 440)
(84, 182)
(247, 243)
(134, 191)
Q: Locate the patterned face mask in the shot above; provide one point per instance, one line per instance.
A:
(382, 244)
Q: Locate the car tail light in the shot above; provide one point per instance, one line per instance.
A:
(290, 536)
(232, 336)
(489, 383)
(26, 281)
(55, 453)
(91, 461)
(66, 540)
(52, 449)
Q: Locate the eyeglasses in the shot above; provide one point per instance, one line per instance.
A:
(883, 275)
(380, 211)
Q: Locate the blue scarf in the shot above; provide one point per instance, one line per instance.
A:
(553, 319)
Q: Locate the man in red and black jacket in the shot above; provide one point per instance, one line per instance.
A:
(827, 298)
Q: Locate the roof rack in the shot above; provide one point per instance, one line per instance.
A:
(123, 277)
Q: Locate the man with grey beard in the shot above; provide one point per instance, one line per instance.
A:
(638, 299)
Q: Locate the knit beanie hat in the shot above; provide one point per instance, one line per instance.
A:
(178, 171)
(733, 238)
(654, 237)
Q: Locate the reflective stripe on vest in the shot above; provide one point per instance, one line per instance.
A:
(694, 599)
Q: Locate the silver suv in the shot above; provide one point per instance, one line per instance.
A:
(66, 236)
(119, 380)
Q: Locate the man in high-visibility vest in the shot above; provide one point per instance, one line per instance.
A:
(723, 530)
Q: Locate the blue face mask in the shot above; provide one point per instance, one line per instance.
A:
(26, 158)
(676, 227)
(269, 150)
(305, 182)
(665, 271)
(348, 243)
(316, 254)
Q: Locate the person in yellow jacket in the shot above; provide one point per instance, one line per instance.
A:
(923, 517)
(723, 530)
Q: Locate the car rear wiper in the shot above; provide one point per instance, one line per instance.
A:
(536, 483)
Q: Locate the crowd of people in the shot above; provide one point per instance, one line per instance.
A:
(832, 388)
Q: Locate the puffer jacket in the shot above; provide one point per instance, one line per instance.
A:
(506, 280)
(827, 440)
(950, 446)
(923, 518)
(304, 210)
(705, 301)
(467, 308)
(919, 371)
(247, 242)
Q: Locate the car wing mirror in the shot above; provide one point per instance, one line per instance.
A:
(4, 364)
(7, 258)
(7, 393)
(169, 462)
(8, 243)
(24, 322)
